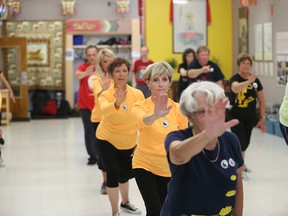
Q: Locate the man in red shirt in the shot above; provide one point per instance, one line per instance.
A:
(86, 101)
(139, 67)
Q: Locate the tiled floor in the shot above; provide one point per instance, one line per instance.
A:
(46, 173)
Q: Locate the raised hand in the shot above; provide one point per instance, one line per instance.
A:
(120, 96)
(252, 77)
(105, 82)
(160, 108)
(90, 70)
(206, 69)
(215, 124)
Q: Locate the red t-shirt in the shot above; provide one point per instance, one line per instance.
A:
(138, 66)
(85, 95)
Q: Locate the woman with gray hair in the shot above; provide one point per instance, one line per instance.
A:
(204, 159)
(157, 116)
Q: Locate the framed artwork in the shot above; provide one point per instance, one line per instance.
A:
(258, 42)
(45, 51)
(243, 30)
(38, 53)
(189, 24)
(268, 41)
(3, 10)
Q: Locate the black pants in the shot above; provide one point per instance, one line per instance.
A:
(153, 189)
(99, 159)
(284, 131)
(118, 163)
(89, 133)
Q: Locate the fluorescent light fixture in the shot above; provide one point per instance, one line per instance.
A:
(180, 1)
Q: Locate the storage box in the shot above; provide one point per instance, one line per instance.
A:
(270, 127)
(277, 130)
(78, 40)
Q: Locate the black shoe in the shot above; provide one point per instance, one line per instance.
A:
(91, 162)
(128, 207)
(2, 141)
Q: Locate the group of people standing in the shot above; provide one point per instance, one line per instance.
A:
(245, 91)
(200, 162)
(118, 114)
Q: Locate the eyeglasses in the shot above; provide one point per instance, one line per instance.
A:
(200, 112)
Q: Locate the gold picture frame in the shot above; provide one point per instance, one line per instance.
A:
(38, 52)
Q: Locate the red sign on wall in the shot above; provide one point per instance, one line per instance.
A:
(248, 2)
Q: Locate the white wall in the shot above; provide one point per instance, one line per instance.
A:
(85, 9)
(260, 14)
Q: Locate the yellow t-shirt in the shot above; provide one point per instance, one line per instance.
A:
(150, 153)
(118, 126)
(96, 114)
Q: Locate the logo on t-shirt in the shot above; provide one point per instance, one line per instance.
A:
(231, 162)
(255, 85)
(165, 123)
(125, 107)
(224, 164)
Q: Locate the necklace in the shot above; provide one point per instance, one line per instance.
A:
(213, 161)
(218, 146)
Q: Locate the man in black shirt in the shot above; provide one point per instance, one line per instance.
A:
(204, 69)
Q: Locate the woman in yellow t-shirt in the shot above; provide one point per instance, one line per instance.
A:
(157, 116)
(100, 83)
(117, 134)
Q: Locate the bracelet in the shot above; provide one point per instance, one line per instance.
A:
(263, 117)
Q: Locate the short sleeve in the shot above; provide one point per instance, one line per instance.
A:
(176, 135)
(139, 111)
(182, 65)
(260, 86)
(218, 73)
(237, 150)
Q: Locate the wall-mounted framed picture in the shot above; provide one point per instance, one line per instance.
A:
(189, 24)
(243, 30)
(45, 49)
(38, 52)
(268, 41)
(3, 10)
(258, 42)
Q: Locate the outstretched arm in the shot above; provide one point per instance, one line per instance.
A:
(181, 152)
(89, 71)
(160, 109)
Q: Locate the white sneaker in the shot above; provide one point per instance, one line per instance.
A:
(116, 214)
(247, 169)
(244, 176)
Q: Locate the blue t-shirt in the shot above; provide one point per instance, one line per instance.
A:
(202, 187)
